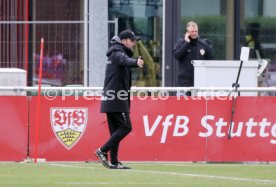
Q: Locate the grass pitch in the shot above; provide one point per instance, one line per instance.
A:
(141, 174)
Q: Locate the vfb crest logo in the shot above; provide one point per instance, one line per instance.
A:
(69, 124)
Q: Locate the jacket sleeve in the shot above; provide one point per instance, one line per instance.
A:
(180, 49)
(121, 59)
(209, 55)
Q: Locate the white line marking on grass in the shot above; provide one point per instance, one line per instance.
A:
(70, 166)
(263, 181)
(79, 167)
(183, 164)
(112, 183)
(208, 176)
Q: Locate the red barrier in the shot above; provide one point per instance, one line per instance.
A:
(254, 130)
(13, 128)
(58, 142)
(163, 131)
(170, 130)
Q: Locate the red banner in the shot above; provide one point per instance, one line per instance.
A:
(174, 129)
(13, 128)
(70, 129)
(163, 130)
(254, 130)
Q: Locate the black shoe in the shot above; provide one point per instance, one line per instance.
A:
(102, 157)
(119, 165)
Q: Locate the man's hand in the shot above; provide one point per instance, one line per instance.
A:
(186, 38)
(140, 62)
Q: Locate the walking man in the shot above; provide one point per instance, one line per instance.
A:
(116, 96)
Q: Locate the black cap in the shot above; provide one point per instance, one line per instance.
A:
(127, 34)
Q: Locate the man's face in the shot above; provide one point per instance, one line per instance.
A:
(193, 31)
(129, 43)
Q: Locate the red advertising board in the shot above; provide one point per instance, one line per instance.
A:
(13, 128)
(253, 133)
(175, 129)
(172, 129)
(58, 139)
(163, 131)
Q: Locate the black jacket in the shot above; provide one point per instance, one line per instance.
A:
(185, 52)
(117, 83)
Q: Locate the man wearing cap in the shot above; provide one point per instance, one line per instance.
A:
(116, 96)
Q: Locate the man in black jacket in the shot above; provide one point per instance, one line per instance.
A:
(116, 96)
(189, 48)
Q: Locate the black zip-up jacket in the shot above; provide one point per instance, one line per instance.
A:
(117, 83)
(185, 52)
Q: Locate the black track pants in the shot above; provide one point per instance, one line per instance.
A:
(119, 127)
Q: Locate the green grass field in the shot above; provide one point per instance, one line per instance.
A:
(141, 174)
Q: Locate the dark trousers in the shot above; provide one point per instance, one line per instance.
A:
(119, 127)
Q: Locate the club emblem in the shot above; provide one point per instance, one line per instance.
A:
(69, 124)
(202, 52)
